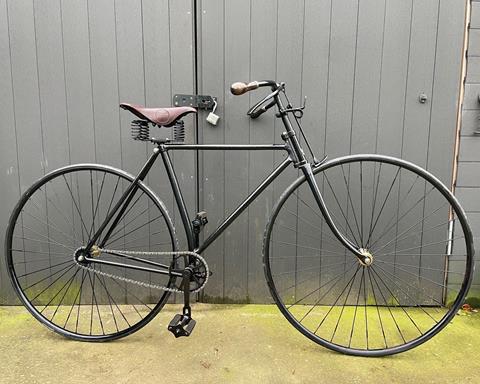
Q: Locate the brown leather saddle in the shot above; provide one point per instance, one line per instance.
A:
(165, 117)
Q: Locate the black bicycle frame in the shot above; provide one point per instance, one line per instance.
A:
(164, 148)
(295, 155)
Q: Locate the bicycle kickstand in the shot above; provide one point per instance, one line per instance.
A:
(183, 324)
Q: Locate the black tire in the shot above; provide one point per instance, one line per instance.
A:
(112, 308)
(350, 322)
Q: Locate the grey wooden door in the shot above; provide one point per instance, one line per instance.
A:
(362, 63)
(66, 65)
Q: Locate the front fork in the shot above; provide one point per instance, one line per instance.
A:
(363, 257)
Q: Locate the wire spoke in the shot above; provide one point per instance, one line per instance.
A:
(65, 293)
(307, 247)
(345, 303)
(374, 199)
(50, 225)
(102, 282)
(418, 266)
(383, 205)
(420, 246)
(361, 199)
(336, 300)
(134, 230)
(388, 307)
(403, 216)
(75, 203)
(53, 282)
(308, 269)
(338, 279)
(351, 203)
(43, 269)
(311, 209)
(396, 299)
(92, 227)
(60, 290)
(355, 312)
(406, 293)
(132, 294)
(48, 277)
(423, 278)
(45, 237)
(341, 210)
(75, 300)
(398, 209)
(376, 305)
(399, 238)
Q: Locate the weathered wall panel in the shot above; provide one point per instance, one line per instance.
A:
(468, 179)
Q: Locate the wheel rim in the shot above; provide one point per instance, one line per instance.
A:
(411, 290)
(56, 217)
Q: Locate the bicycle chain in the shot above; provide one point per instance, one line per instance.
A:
(150, 285)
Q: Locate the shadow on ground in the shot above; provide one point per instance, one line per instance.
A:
(231, 344)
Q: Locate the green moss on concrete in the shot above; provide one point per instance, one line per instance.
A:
(231, 344)
(13, 318)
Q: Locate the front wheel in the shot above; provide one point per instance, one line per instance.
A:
(54, 219)
(413, 228)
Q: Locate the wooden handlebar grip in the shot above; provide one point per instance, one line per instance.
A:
(241, 88)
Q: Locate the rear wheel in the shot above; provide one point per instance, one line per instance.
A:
(54, 219)
(399, 214)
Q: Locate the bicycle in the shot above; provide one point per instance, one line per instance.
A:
(367, 255)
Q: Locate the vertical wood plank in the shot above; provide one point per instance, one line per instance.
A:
(181, 75)
(156, 48)
(78, 80)
(423, 44)
(263, 49)
(104, 72)
(367, 74)
(237, 55)
(396, 49)
(26, 94)
(48, 27)
(340, 80)
(8, 149)
(213, 83)
(129, 42)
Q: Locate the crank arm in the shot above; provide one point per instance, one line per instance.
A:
(137, 267)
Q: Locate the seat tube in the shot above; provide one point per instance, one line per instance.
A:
(178, 197)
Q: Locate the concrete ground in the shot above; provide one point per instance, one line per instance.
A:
(230, 344)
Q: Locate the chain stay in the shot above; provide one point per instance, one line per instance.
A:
(150, 285)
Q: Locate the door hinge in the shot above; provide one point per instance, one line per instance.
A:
(196, 101)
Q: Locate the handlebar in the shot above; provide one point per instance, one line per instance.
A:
(256, 112)
(240, 88)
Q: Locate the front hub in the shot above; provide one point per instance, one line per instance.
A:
(367, 258)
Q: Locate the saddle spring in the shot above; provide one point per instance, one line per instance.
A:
(179, 131)
(140, 130)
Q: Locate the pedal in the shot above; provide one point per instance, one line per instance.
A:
(181, 325)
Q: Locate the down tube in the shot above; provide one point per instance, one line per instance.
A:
(265, 183)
